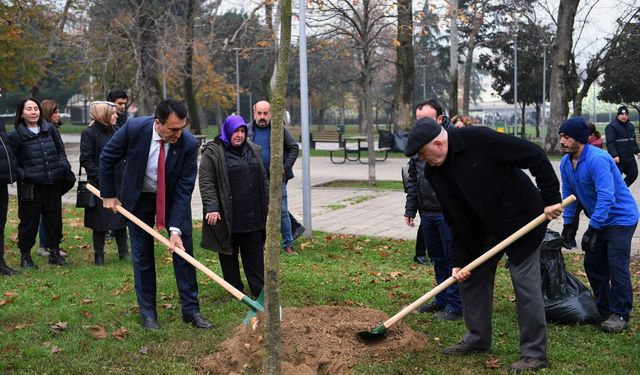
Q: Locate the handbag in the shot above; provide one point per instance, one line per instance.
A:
(84, 198)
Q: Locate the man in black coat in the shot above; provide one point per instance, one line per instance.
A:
(477, 175)
(621, 144)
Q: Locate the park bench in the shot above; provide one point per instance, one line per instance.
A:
(296, 133)
(332, 142)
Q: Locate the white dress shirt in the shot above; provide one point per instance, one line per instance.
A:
(150, 183)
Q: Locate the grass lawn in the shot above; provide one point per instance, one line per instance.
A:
(359, 184)
(52, 318)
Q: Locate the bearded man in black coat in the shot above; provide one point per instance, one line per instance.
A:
(477, 175)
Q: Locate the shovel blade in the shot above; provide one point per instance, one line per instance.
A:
(256, 307)
(376, 334)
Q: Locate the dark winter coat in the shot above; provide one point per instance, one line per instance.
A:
(41, 157)
(216, 193)
(420, 194)
(486, 196)
(621, 140)
(8, 163)
(92, 142)
(290, 149)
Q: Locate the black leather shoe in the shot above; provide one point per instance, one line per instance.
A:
(150, 323)
(197, 321)
(98, 259)
(26, 261)
(6, 270)
(55, 258)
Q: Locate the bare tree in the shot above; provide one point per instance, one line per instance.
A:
(453, 58)
(362, 23)
(271, 363)
(405, 69)
(560, 53)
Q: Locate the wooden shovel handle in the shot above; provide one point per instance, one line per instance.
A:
(183, 254)
(478, 261)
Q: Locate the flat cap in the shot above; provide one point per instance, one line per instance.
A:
(423, 132)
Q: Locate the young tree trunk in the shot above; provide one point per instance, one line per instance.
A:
(405, 70)
(147, 42)
(453, 60)
(560, 51)
(468, 65)
(271, 362)
(189, 94)
(523, 133)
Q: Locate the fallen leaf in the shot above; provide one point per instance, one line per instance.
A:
(395, 274)
(98, 332)
(356, 280)
(348, 302)
(16, 327)
(9, 294)
(120, 334)
(55, 298)
(58, 328)
(493, 363)
(86, 301)
(55, 350)
(86, 314)
(143, 350)
(168, 306)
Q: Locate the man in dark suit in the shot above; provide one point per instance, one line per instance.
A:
(485, 196)
(144, 142)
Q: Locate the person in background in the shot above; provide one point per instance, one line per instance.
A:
(51, 113)
(42, 163)
(595, 138)
(259, 132)
(119, 97)
(485, 196)
(8, 167)
(622, 146)
(235, 197)
(569, 231)
(99, 219)
(460, 121)
(592, 175)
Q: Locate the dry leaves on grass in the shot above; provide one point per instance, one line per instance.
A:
(10, 298)
(98, 332)
(493, 363)
(58, 328)
(120, 334)
(16, 327)
(55, 350)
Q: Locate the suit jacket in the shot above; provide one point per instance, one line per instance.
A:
(132, 142)
(484, 193)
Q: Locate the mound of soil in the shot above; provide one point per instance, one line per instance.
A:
(315, 340)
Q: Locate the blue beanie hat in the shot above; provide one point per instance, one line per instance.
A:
(576, 128)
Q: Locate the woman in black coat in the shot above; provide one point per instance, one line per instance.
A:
(97, 218)
(7, 176)
(41, 169)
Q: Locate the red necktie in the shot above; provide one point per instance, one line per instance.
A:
(160, 192)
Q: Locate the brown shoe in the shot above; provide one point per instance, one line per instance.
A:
(529, 364)
(463, 348)
(289, 250)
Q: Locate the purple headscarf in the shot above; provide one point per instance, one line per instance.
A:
(230, 125)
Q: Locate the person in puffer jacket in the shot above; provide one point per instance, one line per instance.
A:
(41, 167)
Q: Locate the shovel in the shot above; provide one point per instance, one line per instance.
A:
(255, 306)
(380, 332)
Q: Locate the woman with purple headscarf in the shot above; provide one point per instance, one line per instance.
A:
(234, 190)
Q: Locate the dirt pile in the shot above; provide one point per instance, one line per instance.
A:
(315, 340)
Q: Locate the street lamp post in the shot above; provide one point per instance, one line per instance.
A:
(237, 82)
(544, 85)
(515, 81)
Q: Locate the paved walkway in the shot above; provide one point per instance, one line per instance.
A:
(349, 211)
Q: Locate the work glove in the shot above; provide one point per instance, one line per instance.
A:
(569, 236)
(589, 239)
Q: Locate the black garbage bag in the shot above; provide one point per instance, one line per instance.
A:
(566, 299)
(400, 139)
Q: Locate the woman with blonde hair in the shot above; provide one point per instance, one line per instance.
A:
(460, 121)
(97, 218)
(51, 112)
